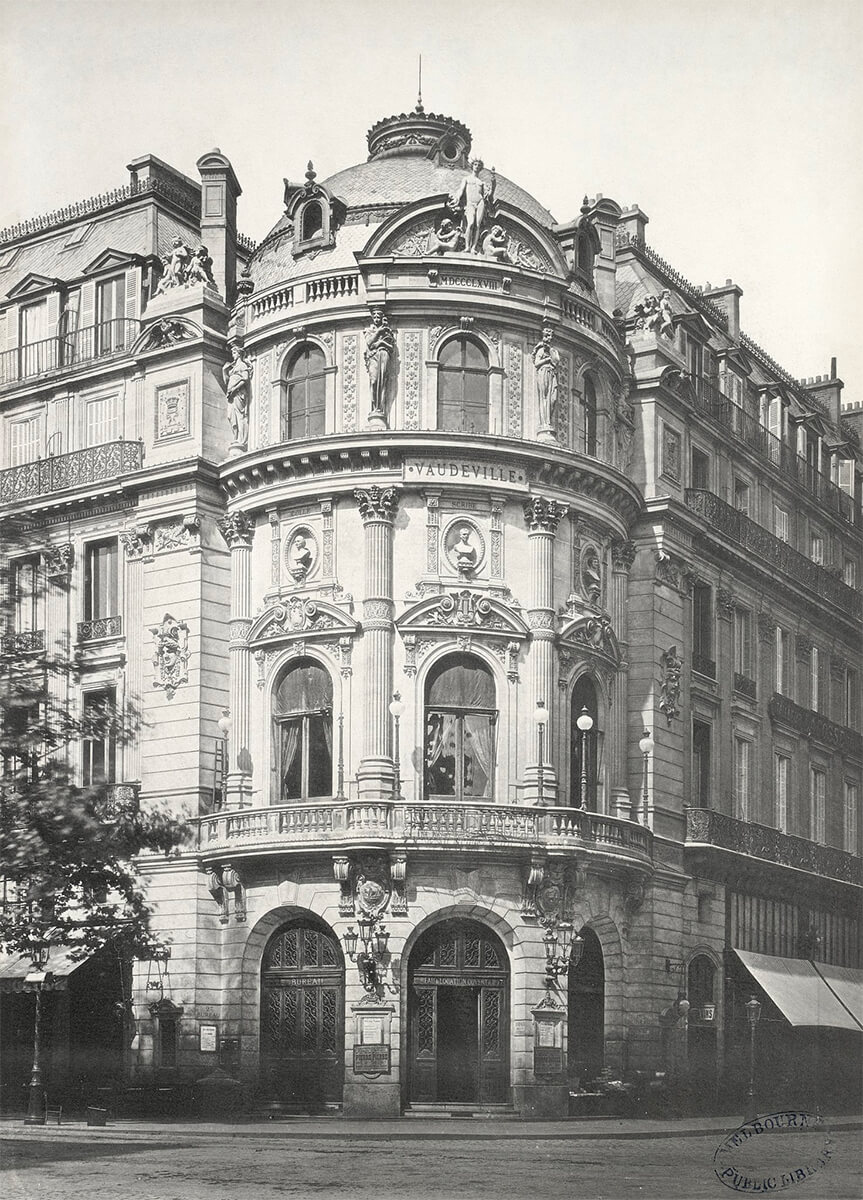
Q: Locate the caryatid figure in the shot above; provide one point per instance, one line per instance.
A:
(380, 347)
(237, 377)
(472, 197)
(546, 361)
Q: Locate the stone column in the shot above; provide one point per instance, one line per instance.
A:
(376, 775)
(622, 558)
(542, 517)
(238, 531)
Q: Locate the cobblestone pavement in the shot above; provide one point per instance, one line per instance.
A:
(505, 1162)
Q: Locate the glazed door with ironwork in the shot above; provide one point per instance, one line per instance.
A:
(458, 1016)
(302, 1018)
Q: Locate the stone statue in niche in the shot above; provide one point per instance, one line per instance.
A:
(237, 377)
(379, 351)
(471, 199)
(546, 361)
(445, 238)
(591, 576)
(495, 244)
(300, 558)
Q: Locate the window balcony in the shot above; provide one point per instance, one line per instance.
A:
(100, 629)
(95, 464)
(815, 725)
(29, 641)
(67, 351)
(753, 537)
(337, 824)
(744, 686)
(704, 666)
(705, 827)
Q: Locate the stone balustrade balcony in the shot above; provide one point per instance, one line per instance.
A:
(346, 824)
(705, 827)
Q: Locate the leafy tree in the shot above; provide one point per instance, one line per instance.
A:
(67, 850)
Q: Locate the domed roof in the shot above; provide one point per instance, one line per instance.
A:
(411, 156)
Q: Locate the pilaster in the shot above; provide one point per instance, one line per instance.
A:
(238, 531)
(622, 558)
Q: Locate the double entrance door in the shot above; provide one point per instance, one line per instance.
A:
(302, 1018)
(459, 1016)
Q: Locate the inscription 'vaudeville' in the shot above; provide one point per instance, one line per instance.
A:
(464, 470)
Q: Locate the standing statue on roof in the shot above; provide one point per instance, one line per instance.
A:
(473, 199)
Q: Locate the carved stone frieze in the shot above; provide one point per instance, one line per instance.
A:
(58, 560)
(349, 383)
(725, 604)
(412, 345)
(671, 669)
(766, 627)
(171, 658)
(137, 542)
(182, 533)
(673, 573)
(377, 504)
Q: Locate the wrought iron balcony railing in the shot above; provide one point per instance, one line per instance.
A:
(438, 825)
(66, 351)
(749, 534)
(704, 665)
(815, 724)
(100, 628)
(744, 685)
(705, 826)
(29, 641)
(95, 464)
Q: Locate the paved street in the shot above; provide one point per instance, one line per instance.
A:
(355, 1161)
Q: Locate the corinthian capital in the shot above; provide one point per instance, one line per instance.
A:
(542, 515)
(237, 529)
(377, 504)
(622, 555)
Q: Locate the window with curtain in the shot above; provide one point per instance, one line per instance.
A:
(782, 661)
(818, 800)
(702, 629)
(781, 776)
(25, 594)
(462, 389)
(110, 315)
(742, 778)
(702, 737)
(100, 581)
(584, 756)
(589, 417)
(304, 402)
(743, 642)
(460, 727)
(99, 758)
(303, 734)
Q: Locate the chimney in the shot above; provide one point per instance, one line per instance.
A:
(728, 299)
(633, 222)
(827, 389)
(219, 192)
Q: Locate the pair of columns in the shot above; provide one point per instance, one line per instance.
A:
(375, 774)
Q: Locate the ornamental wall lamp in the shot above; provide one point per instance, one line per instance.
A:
(397, 708)
(369, 960)
(562, 950)
(584, 721)
(541, 716)
(645, 745)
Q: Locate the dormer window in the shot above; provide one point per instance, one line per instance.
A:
(313, 221)
(314, 212)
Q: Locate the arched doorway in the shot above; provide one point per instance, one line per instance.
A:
(302, 1016)
(701, 1029)
(586, 1016)
(458, 1016)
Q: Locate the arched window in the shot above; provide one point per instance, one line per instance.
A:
(303, 734)
(589, 417)
(462, 389)
(461, 719)
(583, 775)
(584, 254)
(313, 221)
(303, 407)
(586, 1015)
(701, 975)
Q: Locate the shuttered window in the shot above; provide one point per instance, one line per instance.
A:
(102, 423)
(818, 799)
(742, 778)
(100, 581)
(24, 441)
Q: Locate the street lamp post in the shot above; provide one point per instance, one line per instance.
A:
(645, 745)
(541, 715)
(753, 1015)
(36, 1092)
(396, 709)
(224, 724)
(584, 722)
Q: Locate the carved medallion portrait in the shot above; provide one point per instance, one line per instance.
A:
(464, 547)
(301, 553)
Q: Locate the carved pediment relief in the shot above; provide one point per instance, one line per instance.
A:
(465, 611)
(591, 632)
(300, 616)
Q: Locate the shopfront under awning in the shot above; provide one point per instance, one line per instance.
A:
(809, 993)
(17, 973)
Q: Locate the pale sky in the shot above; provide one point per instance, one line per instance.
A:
(736, 126)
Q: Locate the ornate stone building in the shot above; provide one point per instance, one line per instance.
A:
(493, 605)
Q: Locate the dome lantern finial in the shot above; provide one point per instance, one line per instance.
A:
(419, 108)
(311, 174)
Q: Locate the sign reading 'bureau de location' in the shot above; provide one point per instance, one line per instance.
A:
(463, 470)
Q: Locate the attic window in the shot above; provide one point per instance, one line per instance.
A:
(7, 258)
(77, 236)
(584, 255)
(450, 151)
(313, 221)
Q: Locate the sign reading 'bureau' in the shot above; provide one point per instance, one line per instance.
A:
(463, 470)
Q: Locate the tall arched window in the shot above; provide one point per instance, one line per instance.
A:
(583, 775)
(589, 417)
(462, 389)
(461, 719)
(303, 734)
(313, 221)
(304, 403)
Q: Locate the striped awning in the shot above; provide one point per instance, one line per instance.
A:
(809, 993)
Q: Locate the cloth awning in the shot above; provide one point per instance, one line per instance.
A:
(17, 973)
(808, 993)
